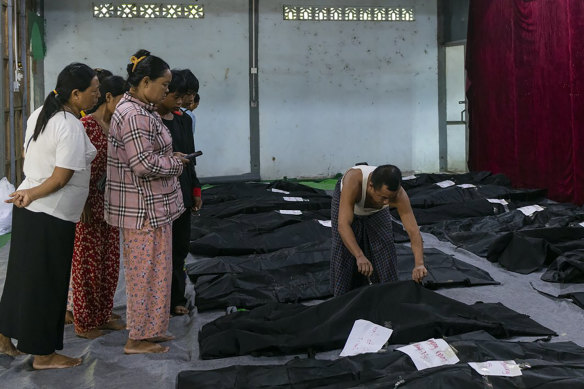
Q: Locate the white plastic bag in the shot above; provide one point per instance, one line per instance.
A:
(5, 208)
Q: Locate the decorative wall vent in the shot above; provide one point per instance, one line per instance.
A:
(348, 14)
(147, 11)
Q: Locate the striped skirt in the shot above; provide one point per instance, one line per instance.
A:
(374, 235)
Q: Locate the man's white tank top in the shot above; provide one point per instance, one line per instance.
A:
(359, 208)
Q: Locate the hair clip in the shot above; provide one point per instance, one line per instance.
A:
(135, 61)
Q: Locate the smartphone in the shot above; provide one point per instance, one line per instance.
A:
(194, 155)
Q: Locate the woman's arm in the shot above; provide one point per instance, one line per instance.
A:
(60, 177)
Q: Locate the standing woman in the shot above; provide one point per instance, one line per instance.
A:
(96, 254)
(48, 203)
(143, 198)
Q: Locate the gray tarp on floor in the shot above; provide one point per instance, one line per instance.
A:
(105, 365)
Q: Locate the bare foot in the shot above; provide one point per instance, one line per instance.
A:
(91, 334)
(114, 325)
(6, 347)
(69, 317)
(143, 347)
(54, 361)
(180, 310)
(162, 338)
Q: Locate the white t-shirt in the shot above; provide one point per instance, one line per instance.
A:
(63, 143)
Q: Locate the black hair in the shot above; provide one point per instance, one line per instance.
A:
(150, 66)
(388, 175)
(102, 74)
(115, 85)
(73, 76)
(178, 83)
(197, 98)
(191, 81)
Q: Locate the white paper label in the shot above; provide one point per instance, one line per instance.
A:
(466, 186)
(497, 368)
(498, 201)
(408, 178)
(365, 337)
(297, 199)
(582, 224)
(290, 212)
(326, 223)
(278, 191)
(530, 209)
(431, 353)
(445, 184)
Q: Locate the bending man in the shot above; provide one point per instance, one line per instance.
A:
(363, 249)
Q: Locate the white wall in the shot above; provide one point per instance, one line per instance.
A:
(215, 48)
(336, 93)
(330, 94)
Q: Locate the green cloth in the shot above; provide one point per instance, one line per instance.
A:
(4, 239)
(36, 32)
(327, 184)
(324, 184)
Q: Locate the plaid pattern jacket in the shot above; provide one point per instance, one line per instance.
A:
(141, 170)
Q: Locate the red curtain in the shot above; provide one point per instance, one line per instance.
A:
(525, 84)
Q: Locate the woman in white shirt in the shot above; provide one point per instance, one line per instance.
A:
(48, 203)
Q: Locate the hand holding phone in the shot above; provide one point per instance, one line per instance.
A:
(194, 155)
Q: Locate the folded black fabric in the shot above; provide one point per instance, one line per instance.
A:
(288, 275)
(544, 365)
(249, 242)
(567, 268)
(303, 272)
(413, 312)
(443, 270)
(526, 251)
(477, 234)
(577, 298)
(254, 222)
(239, 190)
(307, 254)
(251, 289)
(265, 202)
(425, 180)
(471, 208)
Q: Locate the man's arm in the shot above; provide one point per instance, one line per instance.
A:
(349, 196)
(408, 219)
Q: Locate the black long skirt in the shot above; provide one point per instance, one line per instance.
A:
(33, 304)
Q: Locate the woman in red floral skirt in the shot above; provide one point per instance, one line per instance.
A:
(96, 256)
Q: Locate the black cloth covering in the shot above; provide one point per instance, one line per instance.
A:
(288, 275)
(413, 312)
(552, 365)
(577, 298)
(249, 242)
(477, 234)
(528, 250)
(302, 272)
(472, 208)
(567, 268)
(234, 191)
(255, 222)
(443, 270)
(262, 203)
